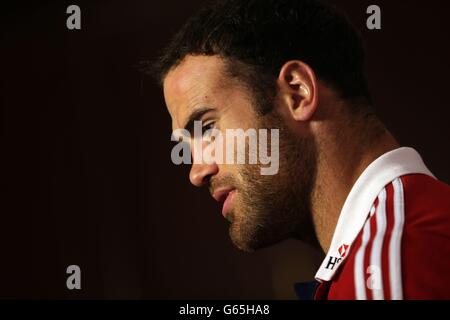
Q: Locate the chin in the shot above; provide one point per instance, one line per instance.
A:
(250, 241)
(244, 242)
(245, 246)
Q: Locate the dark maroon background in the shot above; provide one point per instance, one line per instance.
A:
(86, 168)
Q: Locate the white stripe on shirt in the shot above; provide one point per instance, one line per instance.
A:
(395, 274)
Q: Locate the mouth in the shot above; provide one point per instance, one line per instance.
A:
(225, 196)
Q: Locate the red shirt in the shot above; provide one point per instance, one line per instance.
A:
(392, 239)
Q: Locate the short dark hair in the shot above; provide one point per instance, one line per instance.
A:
(257, 37)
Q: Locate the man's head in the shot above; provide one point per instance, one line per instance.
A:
(264, 64)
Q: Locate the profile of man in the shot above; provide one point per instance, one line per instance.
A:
(344, 183)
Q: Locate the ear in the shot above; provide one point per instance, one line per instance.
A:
(298, 89)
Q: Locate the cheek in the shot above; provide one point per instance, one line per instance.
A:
(239, 115)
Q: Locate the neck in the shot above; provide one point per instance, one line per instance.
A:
(340, 164)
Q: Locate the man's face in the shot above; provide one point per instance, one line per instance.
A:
(262, 209)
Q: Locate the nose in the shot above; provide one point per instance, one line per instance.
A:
(203, 166)
(201, 173)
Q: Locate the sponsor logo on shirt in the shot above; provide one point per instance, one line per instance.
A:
(334, 261)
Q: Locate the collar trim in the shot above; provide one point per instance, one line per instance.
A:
(357, 206)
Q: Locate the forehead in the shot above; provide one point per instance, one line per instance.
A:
(193, 82)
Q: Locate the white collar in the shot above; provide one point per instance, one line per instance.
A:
(359, 202)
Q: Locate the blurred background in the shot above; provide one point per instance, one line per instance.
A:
(85, 147)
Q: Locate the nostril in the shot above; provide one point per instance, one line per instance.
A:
(206, 179)
(201, 174)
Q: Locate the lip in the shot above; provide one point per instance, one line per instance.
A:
(225, 196)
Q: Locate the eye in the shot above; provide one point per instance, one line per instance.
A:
(206, 127)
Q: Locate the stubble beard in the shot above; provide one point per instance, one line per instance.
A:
(270, 209)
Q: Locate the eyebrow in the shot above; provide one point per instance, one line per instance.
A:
(196, 116)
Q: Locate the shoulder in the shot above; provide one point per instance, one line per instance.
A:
(426, 201)
(425, 246)
(403, 250)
